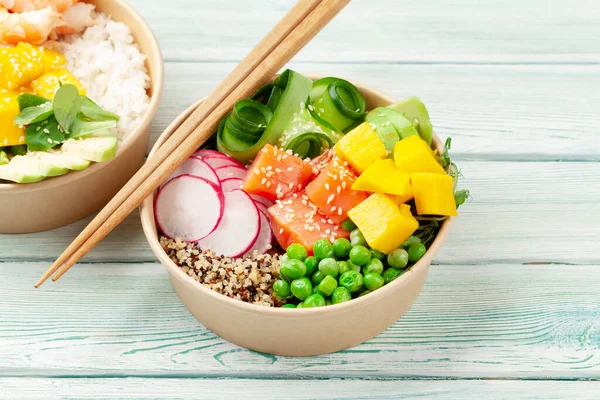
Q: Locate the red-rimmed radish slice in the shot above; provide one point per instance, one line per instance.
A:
(210, 153)
(265, 236)
(239, 228)
(189, 208)
(231, 171)
(220, 162)
(195, 166)
(263, 200)
(231, 184)
(261, 207)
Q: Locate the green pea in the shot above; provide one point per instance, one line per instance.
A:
(357, 238)
(348, 225)
(360, 255)
(411, 239)
(416, 251)
(377, 254)
(328, 266)
(351, 280)
(373, 281)
(288, 306)
(301, 288)
(281, 288)
(327, 285)
(353, 266)
(317, 277)
(315, 289)
(296, 252)
(300, 305)
(398, 258)
(323, 249)
(374, 265)
(311, 265)
(343, 266)
(314, 300)
(341, 248)
(366, 292)
(340, 295)
(390, 274)
(292, 269)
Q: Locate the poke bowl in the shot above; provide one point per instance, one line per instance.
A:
(264, 308)
(77, 100)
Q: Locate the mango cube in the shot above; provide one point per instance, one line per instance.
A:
(47, 84)
(20, 65)
(383, 176)
(434, 194)
(408, 195)
(383, 223)
(361, 147)
(10, 133)
(413, 154)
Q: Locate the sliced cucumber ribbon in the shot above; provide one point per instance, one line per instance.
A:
(337, 101)
(308, 136)
(282, 98)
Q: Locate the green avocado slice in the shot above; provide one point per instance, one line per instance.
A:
(414, 109)
(96, 149)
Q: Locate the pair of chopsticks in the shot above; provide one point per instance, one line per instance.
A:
(290, 35)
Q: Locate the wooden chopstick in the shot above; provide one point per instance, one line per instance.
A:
(286, 25)
(142, 185)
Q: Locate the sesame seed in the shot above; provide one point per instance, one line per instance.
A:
(340, 212)
(263, 181)
(268, 184)
(327, 187)
(344, 184)
(289, 169)
(338, 190)
(330, 198)
(333, 209)
(256, 171)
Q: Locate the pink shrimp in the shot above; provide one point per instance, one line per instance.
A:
(19, 6)
(31, 26)
(76, 19)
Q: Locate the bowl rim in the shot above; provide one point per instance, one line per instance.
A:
(151, 233)
(157, 86)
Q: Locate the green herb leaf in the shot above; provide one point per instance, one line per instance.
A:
(460, 197)
(3, 158)
(34, 114)
(85, 128)
(18, 150)
(94, 112)
(445, 156)
(29, 100)
(44, 135)
(67, 104)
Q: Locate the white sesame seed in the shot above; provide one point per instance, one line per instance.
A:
(327, 187)
(330, 198)
(332, 209)
(340, 211)
(263, 181)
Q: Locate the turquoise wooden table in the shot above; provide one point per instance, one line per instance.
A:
(511, 308)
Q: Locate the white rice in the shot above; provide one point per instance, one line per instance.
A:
(111, 67)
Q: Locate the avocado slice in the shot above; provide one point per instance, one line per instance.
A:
(61, 160)
(97, 149)
(25, 169)
(404, 127)
(414, 109)
(384, 129)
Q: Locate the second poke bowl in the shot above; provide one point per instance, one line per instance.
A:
(78, 91)
(315, 239)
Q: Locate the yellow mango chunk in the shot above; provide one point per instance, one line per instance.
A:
(414, 155)
(10, 133)
(361, 147)
(50, 59)
(19, 65)
(383, 176)
(383, 223)
(408, 195)
(434, 194)
(47, 84)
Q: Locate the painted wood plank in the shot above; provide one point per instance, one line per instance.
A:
(521, 212)
(492, 321)
(387, 31)
(492, 112)
(150, 389)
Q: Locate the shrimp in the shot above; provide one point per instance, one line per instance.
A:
(76, 19)
(31, 26)
(19, 6)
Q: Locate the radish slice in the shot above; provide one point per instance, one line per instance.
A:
(238, 230)
(196, 167)
(231, 171)
(189, 208)
(218, 162)
(231, 184)
(265, 236)
(261, 207)
(262, 200)
(209, 153)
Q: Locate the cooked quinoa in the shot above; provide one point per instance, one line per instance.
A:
(249, 279)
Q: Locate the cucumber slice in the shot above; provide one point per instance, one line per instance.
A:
(97, 149)
(414, 109)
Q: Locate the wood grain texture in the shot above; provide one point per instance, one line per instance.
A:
(384, 31)
(506, 112)
(521, 212)
(495, 321)
(150, 389)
